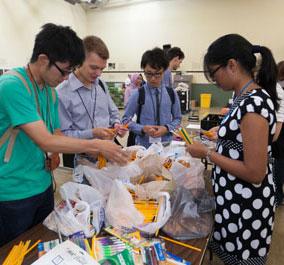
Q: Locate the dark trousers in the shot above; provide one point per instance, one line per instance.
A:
(18, 216)
(279, 179)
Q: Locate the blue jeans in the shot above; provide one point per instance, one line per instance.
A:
(20, 215)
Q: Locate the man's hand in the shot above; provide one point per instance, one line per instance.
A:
(120, 129)
(149, 130)
(160, 131)
(111, 151)
(104, 133)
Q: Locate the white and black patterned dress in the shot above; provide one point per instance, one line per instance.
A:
(244, 212)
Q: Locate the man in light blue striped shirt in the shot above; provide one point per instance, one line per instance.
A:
(160, 112)
(86, 109)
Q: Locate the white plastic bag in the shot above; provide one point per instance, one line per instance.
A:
(69, 220)
(73, 214)
(163, 215)
(120, 209)
(121, 212)
(102, 179)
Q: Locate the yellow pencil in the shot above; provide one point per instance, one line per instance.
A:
(32, 247)
(180, 243)
(87, 246)
(94, 254)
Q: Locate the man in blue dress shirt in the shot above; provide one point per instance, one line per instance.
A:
(86, 109)
(160, 114)
(175, 57)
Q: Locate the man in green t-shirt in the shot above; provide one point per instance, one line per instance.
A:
(28, 107)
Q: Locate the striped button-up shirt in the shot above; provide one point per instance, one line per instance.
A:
(82, 108)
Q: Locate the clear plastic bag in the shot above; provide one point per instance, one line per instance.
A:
(120, 209)
(191, 214)
(188, 177)
(102, 179)
(74, 213)
(121, 212)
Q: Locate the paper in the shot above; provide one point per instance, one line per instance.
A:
(66, 253)
(193, 126)
(153, 140)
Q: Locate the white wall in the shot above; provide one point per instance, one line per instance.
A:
(20, 21)
(189, 24)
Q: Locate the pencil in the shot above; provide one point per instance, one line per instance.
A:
(32, 247)
(180, 243)
(94, 251)
(88, 249)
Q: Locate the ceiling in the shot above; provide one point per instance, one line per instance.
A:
(104, 4)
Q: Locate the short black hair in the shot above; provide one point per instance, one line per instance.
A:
(155, 58)
(174, 52)
(60, 44)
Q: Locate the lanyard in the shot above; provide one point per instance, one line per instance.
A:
(236, 99)
(154, 108)
(92, 119)
(36, 89)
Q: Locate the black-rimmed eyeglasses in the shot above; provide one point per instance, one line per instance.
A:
(150, 75)
(212, 73)
(63, 72)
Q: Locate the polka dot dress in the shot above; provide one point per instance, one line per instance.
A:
(244, 211)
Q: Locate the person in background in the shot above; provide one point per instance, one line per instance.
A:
(28, 115)
(242, 173)
(136, 81)
(278, 145)
(157, 108)
(86, 109)
(175, 57)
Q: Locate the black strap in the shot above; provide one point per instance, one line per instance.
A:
(101, 84)
(171, 94)
(141, 99)
(157, 107)
(141, 102)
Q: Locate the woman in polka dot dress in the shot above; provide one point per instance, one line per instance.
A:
(242, 174)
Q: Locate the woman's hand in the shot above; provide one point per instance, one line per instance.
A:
(197, 150)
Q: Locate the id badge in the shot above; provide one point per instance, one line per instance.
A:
(153, 140)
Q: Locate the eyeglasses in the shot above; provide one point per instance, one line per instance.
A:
(150, 75)
(212, 73)
(63, 72)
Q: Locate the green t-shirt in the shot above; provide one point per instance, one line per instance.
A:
(24, 175)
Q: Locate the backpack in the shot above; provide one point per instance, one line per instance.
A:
(141, 99)
(101, 84)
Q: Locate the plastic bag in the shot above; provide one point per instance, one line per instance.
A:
(163, 215)
(121, 212)
(74, 213)
(191, 214)
(151, 190)
(95, 200)
(120, 209)
(151, 166)
(189, 178)
(102, 179)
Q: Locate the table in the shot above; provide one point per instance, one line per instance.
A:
(41, 232)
